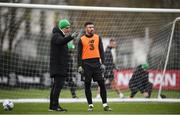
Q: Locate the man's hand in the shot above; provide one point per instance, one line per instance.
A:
(102, 68)
(80, 70)
(74, 34)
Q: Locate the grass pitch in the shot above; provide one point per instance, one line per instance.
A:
(81, 108)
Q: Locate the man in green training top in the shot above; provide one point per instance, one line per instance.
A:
(69, 82)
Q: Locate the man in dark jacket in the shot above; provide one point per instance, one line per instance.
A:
(59, 61)
(140, 82)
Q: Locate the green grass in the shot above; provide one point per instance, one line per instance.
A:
(15, 93)
(81, 108)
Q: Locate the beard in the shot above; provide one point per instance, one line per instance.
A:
(90, 32)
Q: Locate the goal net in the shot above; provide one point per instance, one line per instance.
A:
(142, 36)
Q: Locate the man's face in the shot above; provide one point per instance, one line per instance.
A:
(113, 44)
(67, 30)
(89, 29)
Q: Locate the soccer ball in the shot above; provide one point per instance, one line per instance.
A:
(8, 105)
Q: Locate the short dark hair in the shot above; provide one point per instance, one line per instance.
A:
(112, 40)
(88, 23)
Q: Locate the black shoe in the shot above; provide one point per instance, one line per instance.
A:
(163, 96)
(107, 108)
(76, 97)
(60, 109)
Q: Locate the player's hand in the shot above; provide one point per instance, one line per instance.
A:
(80, 70)
(102, 68)
(74, 34)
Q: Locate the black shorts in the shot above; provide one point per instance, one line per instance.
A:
(92, 72)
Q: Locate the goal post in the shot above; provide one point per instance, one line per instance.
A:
(168, 54)
(143, 35)
(89, 8)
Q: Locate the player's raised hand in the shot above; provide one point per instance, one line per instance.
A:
(74, 34)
